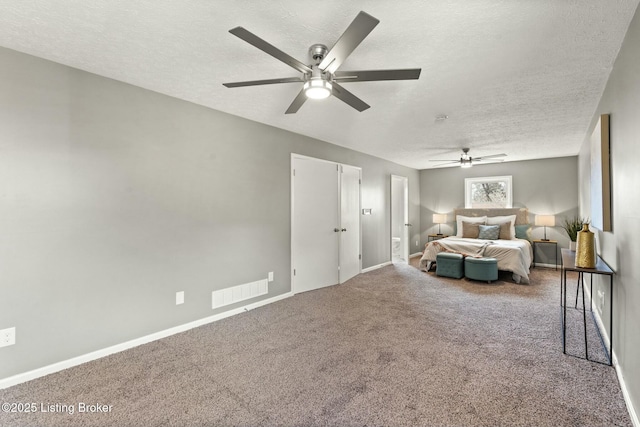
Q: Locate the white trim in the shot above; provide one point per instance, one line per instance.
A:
(625, 393)
(292, 172)
(78, 360)
(614, 360)
(375, 267)
(342, 165)
(302, 156)
(405, 220)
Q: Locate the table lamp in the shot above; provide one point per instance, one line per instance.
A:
(439, 219)
(545, 221)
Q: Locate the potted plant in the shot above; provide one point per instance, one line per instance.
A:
(572, 226)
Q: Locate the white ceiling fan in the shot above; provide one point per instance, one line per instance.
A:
(466, 161)
(321, 77)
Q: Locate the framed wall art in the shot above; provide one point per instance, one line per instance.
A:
(601, 175)
(488, 192)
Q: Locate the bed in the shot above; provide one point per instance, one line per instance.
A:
(513, 254)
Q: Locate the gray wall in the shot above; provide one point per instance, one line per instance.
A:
(548, 186)
(112, 198)
(621, 247)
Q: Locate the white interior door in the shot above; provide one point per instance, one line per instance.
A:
(350, 259)
(315, 224)
(399, 219)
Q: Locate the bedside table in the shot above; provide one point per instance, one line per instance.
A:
(545, 242)
(432, 237)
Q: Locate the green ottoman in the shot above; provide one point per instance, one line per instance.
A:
(481, 268)
(450, 265)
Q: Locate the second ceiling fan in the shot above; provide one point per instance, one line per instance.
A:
(321, 78)
(466, 161)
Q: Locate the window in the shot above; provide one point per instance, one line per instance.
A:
(488, 192)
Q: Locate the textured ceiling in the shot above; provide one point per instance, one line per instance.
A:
(520, 77)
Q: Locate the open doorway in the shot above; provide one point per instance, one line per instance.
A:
(399, 219)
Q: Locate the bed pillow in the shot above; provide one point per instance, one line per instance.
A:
(474, 219)
(505, 231)
(489, 232)
(522, 231)
(492, 220)
(470, 230)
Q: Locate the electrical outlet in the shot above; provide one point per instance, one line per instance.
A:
(179, 297)
(270, 279)
(7, 337)
(417, 244)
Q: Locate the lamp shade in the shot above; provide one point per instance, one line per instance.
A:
(546, 220)
(439, 218)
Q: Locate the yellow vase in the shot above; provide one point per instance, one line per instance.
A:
(586, 248)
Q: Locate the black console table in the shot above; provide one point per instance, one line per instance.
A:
(569, 264)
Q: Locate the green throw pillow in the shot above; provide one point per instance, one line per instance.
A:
(522, 231)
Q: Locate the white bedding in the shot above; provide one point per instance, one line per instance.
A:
(512, 255)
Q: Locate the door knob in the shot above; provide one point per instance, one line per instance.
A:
(408, 225)
(344, 229)
(336, 230)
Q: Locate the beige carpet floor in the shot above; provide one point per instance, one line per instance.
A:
(392, 347)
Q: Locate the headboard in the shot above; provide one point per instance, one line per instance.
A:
(522, 214)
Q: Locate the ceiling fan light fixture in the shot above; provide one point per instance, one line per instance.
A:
(465, 163)
(317, 89)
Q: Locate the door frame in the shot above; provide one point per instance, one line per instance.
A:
(359, 215)
(292, 218)
(405, 220)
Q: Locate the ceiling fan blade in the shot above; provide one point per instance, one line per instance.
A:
(265, 82)
(489, 157)
(453, 162)
(375, 75)
(444, 160)
(297, 103)
(360, 28)
(347, 97)
(485, 160)
(268, 48)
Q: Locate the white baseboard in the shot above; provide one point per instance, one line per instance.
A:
(625, 393)
(75, 361)
(415, 255)
(614, 360)
(375, 267)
